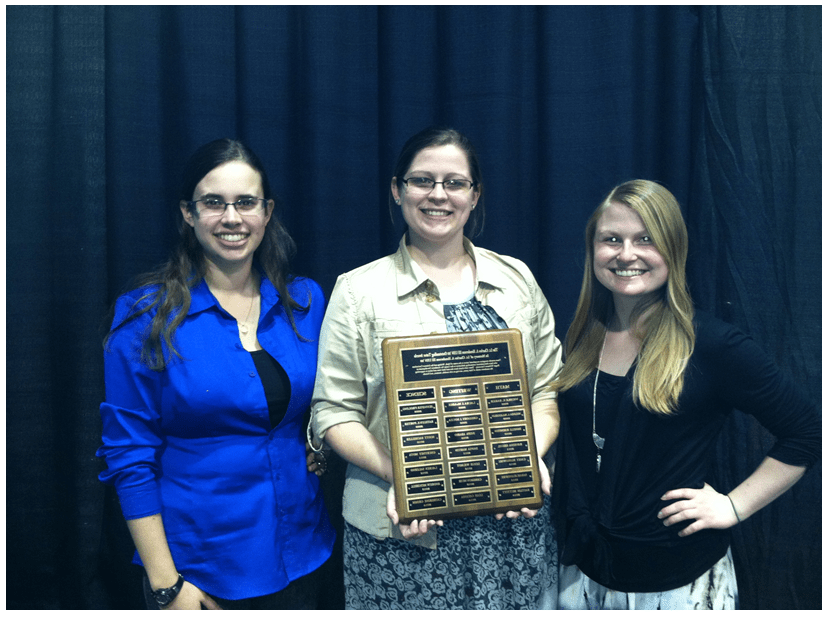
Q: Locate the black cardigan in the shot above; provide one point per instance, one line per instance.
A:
(607, 523)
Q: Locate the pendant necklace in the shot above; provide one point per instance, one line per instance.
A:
(243, 326)
(598, 441)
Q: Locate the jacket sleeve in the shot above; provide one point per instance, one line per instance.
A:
(547, 346)
(131, 419)
(340, 389)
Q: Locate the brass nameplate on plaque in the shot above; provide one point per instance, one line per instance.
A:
(461, 426)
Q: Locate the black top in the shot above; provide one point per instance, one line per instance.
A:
(276, 384)
(608, 523)
(610, 389)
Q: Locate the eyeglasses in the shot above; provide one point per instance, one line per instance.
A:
(210, 206)
(425, 185)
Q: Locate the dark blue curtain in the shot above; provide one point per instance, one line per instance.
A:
(104, 104)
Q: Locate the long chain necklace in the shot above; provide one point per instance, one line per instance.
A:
(598, 441)
(244, 328)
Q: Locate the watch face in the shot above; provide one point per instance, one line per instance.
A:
(163, 596)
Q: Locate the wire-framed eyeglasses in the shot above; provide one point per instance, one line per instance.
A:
(458, 186)
(212, 206)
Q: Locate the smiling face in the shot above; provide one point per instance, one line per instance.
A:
(230, 239)
(436, 217)
(625, 261)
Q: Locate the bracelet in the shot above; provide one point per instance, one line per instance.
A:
(309, 435)
(319, 453)
(739, 520)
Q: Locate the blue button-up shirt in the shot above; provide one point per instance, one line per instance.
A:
(242, 515)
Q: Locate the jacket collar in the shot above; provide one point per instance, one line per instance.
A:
(410, 276)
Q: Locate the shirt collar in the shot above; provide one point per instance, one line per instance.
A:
(201, 298)
(410, 276)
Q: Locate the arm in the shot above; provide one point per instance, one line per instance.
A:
(131, 438)
(353, 442)
(546, 422)
(711, 509)
(746, 378)
(546, 419)
(149, 538)
(770, 480)
(339, 406)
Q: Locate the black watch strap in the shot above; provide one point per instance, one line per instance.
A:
(164, 596)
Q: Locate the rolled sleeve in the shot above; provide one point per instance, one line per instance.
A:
(339, 390)
(130, 422)
(548, 348)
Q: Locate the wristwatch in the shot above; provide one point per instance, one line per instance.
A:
(164, 596)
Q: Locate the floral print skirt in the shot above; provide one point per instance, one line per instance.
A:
(479, 563)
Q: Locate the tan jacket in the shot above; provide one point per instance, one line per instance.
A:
(393, 297)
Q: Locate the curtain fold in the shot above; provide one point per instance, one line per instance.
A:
(755, 224)
(57, 255)
(104, 104)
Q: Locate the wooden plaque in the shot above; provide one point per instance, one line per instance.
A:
(461, 424)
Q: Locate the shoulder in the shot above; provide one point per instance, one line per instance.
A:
(713, 335)
(503, 270)
(308, 294)
(369, 277)
(132, 315)
(302, 289)
(134, 301)
(369, 270)
(726, 349)
(503, 262)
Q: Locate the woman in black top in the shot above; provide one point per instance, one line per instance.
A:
(647, 385)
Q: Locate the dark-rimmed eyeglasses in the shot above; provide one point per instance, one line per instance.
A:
(210, 206)
(426, 185)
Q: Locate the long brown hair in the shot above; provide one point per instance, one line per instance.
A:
(667, 331)
(169, 286)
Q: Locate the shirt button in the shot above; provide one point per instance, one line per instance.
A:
(252, 374)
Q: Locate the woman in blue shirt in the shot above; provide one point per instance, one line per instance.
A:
(209, 369)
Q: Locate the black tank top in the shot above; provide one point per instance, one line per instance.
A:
(275, 382)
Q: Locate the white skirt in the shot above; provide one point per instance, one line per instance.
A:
(716, 589)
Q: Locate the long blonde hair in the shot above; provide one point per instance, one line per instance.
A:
(667, 330)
